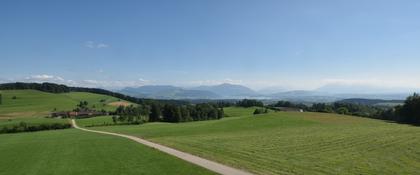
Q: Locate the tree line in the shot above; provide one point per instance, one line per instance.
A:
(45, 87)
(336, 107)
(409, 112)
(249, 103)
(30, 127)
(158, 112)
(181, 111)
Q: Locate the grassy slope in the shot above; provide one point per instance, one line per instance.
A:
(93, 99)
(30, 103)
(72, 151)
(32, 120)
(76, 152)
(294, 143)
(238, 111)
(101, 120)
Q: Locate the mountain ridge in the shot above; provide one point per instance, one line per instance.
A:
(234, 91)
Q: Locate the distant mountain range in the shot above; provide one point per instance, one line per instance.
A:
(168, 92)
(229, 90)
(327, 93)
(222, 91)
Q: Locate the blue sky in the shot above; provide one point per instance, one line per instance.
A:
(292, 44)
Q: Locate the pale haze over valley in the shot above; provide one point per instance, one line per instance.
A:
(270, 46)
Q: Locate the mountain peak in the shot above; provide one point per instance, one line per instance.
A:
(229, 90)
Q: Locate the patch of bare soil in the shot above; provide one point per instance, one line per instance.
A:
(119, 103)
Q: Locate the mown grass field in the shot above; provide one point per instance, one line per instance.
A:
(33, 103)
(72, 151)
(293, 143)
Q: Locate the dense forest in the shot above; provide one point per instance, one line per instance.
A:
(167, 113)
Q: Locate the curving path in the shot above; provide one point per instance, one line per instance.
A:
(208, 164)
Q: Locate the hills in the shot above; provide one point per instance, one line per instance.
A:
(59, 88)
(338, 132)
(229, 90)
(329, 93)
(222, 91)
(168, 93)
(35, 103)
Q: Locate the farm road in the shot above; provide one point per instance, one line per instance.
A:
(208, 164)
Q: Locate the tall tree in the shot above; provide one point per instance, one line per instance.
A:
(155, 113)
(220, 113)
(410, 111)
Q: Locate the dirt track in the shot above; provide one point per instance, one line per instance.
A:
(208, 164)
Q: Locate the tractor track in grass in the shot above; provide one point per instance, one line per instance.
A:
(208, 164)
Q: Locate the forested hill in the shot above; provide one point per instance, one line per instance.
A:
(59, 88)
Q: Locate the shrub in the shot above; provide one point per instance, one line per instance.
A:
(25, 127)
(260, 111)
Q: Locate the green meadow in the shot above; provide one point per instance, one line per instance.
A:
(239, 111)
(293, 143)
(33, 103)
(95, 121)
(31, 120)
(72, 151)
(272, 143)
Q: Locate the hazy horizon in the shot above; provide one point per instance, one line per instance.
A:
(289, 45)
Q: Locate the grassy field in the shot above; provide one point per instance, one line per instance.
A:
(76, 152)
(72, 151)
(273, 143)
(293, 143)
(101, 120)
(107, 120)
(31, 120)
(33, 103)
(239, 111)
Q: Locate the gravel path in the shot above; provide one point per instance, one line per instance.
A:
(208, 164)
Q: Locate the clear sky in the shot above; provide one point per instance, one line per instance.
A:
(294, 44)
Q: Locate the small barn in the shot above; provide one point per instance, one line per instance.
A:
(289, 109)
(78, 114)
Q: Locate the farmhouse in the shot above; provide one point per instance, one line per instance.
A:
(80, 114)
